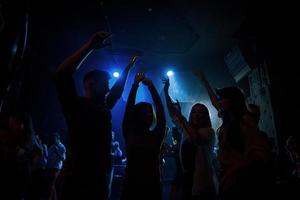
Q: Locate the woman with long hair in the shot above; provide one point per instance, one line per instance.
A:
(243, 151)
(196, 149)
(143, 142)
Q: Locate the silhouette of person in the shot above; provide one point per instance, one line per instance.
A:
(89, 122)
(196, 149)
(142, 175)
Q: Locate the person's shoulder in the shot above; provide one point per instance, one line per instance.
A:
(61, 145)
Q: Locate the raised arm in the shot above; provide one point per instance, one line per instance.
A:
(118, 88)
(160, 114)
(74, 61)
(174, 108)
(169, 101)
(210, 92)
(65, 86)
(127, 119)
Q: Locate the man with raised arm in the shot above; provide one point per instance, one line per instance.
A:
(89, 122)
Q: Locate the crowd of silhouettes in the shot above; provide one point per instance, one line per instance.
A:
(31, 170)
(27, 170)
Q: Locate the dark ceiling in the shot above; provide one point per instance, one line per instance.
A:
(185, 35)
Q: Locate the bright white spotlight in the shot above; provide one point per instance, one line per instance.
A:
(116, 74)
(170, 73)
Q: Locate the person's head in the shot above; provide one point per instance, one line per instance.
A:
(96, 84)
(254, 111)
(231, 100)
(199, 116)
(144, 115)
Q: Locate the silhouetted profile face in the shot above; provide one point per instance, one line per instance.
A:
(144, 114)
(199, 116)
(96, 84)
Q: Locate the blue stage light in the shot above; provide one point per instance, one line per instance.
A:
(170, 73)
(116, 74)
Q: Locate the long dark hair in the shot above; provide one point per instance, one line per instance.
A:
(238, 108)
(207, 122)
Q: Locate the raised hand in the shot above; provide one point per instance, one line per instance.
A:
(147, 82)
(97, 40)
(166, 83)
(133, 59)
(139, 77)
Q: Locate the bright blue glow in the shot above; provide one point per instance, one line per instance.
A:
(116, 74)
(170, 73)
